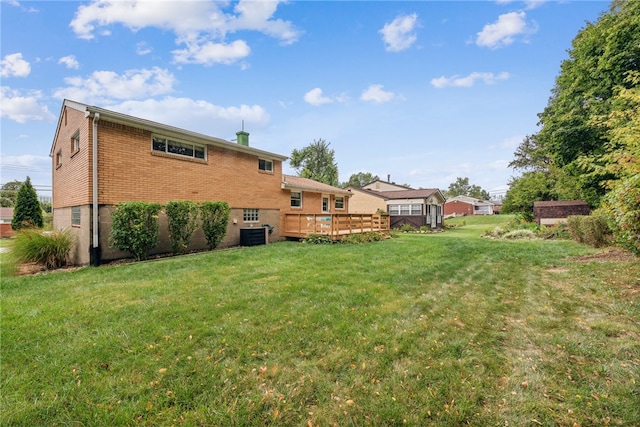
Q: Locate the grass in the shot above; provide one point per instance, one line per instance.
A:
(440, 329)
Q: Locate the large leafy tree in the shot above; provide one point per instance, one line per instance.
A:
(27, 211)
(601, 56)
(360, 179)
(462, 188)
(316, 161)
(8, 193)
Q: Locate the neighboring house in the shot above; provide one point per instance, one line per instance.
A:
(101, 158)
(379, 185)
(6, 216)
(415, 207)
(465, 205)
(405, 206)
(556, 211)
(364, 201)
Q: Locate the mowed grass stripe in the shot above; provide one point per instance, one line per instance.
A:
(442, 329)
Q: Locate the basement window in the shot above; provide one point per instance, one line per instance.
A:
(250, 215)
(186, 149)
(75, 216)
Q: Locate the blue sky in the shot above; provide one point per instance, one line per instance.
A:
(421, 91)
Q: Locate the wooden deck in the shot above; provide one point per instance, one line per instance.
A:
(333, 225)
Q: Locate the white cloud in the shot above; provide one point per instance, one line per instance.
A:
(315, 97)
(196, 115)
(399, 34)
(468, 81)
(143, 49)
(374, 93)
(502, 32)
(14, 66)
(70, 61)
(210, 52)
(202, 26)
(102, 86)
(23, 107)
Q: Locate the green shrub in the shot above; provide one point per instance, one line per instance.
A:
(574, 228)
(622, 206)
(592, 230)
(215, 218)
(50, 248)
(358, 238)
(407, 228)
(134, 228)
(519, 234)
(182, 217)
(317, 239)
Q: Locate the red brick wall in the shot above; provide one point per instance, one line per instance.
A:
(72, 179)
(458, 208)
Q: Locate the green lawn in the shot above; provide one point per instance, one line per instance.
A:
(442, 329)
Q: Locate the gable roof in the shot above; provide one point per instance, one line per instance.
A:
(291, 182)
(412, 194)
(470, 200)
(165, 130)
(400, 187)
(368, 191)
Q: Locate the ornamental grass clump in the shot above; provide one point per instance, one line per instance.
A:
(50, 249)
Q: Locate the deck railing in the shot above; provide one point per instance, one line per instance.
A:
(333, 225)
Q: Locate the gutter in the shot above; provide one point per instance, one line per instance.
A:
(95, 242)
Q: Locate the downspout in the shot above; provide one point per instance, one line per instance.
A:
(95, 243)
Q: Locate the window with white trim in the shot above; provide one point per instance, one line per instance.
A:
(250, 215)
(413, 209)
(75, 142)
(325, 204)
(339, 202)
(265, 165)
(165, 145)
(296, 199)
(75, 216)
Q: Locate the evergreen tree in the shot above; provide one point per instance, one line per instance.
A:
(27, 212)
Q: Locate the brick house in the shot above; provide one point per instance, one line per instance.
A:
(465, 205)
(101, 158)
(555, 211)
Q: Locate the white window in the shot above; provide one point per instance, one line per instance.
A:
(405, 209)
(265, 165)
(339, 202)
(296, 199)
(394, 209)
(416, 209)
(325, 203)
(250, 215)
(186, 149)
(75, 216)
(75, 142)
